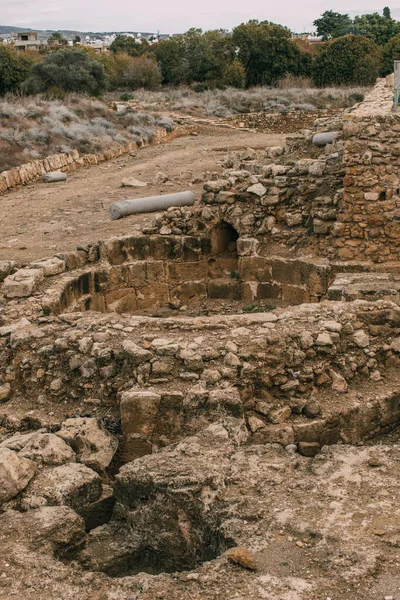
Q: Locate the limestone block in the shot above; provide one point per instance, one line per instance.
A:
(48, 449)
(139, 410)
(49, 266)
(94, 445)
(22, 283)
(15, 474)
(73, 485)
(247, 246)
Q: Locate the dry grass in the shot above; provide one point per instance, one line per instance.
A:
(224, 103)
(32, 128)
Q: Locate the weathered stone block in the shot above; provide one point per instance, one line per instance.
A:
(139, 410)
(187, 271)
(224, 289)
(22, 283)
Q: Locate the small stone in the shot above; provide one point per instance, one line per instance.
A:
(306, 340)
(242, 557)
(324, 339)
(332, 326)
(165, 230)
(379, 532)
(257, 189)
(375, 375)
(339, 384)
(255, 424)
(309, 449)
(361, 339)
(280, 415)
(374, 461)
(5, 392)
(395, 345)
(133, 183)
(291, 448)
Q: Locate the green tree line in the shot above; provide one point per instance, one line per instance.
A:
(254, 53)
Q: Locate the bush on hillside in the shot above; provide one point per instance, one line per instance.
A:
(14, 69)
(348, 60)
(131, 72)
(235, 75)
(70, 70)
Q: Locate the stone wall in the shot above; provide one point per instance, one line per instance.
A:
(369, 227)
(65, 162)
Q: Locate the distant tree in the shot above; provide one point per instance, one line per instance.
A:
(172, 58)
(390, 52)
(195, 56)
(376, 27)
(58, 37)
(333, 24)
(386, 13)
(14, 69)
(77, 40)
(267, 53)
(126, 43)
(348, 60)
(70, 70)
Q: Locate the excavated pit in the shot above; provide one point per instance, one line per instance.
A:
(158, 275)
(161, 539)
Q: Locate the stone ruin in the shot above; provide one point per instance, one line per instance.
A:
(166, 397)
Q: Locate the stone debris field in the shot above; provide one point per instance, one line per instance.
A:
(206, 407)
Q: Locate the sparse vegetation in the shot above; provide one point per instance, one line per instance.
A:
(225, 103)
(33, 128)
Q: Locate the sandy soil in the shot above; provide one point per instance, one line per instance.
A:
(42, 219)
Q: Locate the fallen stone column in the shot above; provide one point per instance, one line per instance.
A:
(54, 176)
(322, 139)
(150, 204)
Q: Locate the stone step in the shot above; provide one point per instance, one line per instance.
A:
(365, 286)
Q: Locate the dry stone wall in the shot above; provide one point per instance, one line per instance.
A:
(369, 221)
(29, 172)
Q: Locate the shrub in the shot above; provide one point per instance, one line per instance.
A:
(199, 87)
(132, 72)
(351, 59)
(356, 97)
(14, 69)
(391, 52)
(69, 70)
(141, 72)
(235, 75)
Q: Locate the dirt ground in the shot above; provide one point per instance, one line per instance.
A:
(42, 219)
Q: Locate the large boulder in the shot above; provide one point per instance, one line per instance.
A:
(94, 445)
(73, 485)
(48, 449)
(56, 528)
(15, 474)
(18, 441)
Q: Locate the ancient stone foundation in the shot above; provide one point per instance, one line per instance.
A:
(214, 401)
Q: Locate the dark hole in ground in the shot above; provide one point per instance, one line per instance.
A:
(155, 538)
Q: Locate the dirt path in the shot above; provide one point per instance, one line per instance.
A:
(40, 220)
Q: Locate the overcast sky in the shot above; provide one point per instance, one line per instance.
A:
(172, 16)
